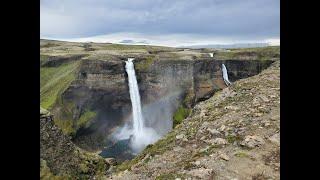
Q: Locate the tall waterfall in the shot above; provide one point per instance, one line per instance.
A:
(225, 75)
(135, 98)
(141, 135)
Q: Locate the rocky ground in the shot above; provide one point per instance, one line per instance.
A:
(233, 135)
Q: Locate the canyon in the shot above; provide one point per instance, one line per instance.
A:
(85, 85)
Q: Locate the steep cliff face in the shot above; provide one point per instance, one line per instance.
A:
(202, 76)
(60, 158)
(100, 87)
(163, 77)
(208, 74)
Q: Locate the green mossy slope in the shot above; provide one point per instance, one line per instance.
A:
(260, 53)
(54, 80)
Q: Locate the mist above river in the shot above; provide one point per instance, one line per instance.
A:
(157, 115)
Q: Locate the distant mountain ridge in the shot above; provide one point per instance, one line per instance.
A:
(129, 41)
(237, 45)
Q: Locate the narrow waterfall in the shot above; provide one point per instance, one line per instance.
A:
(135, 98)
(141, 135)
(225, 75)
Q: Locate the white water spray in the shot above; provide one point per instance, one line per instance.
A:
(135, 98)
(141, 135)
(225, 75)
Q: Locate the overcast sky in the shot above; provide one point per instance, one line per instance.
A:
(168, 22)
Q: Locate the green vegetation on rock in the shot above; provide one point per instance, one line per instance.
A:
(54, 81)
(123, 47)
(241, 154)
(46, 174)
(48, 45)
(145, 64)
(66, 126)
(91, 162)
(85, 118)
(189, 98)
(61, 159)
(64, 118)
(43, 58)
(44, 112)
(231, 139)
(180, 114)
(260, 53)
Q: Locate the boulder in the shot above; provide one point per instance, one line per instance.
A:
(202, 173)
(214, 132)
(224, 157)
(111, 161)
(275, 139)
(180, 136)
(252, 141)
(222, 128)
(219, 141)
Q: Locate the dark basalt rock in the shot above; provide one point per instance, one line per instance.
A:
(203, 75)
(102, 87)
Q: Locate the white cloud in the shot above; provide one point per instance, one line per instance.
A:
(273, 42)
(173, 40)
(246, 19)
(53, 23)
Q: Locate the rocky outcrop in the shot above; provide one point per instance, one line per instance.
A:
(59, 157)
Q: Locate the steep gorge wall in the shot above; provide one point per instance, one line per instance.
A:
(208, 74)
(163, 77)
(61, 159)
(202, 77)
(101, 87)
